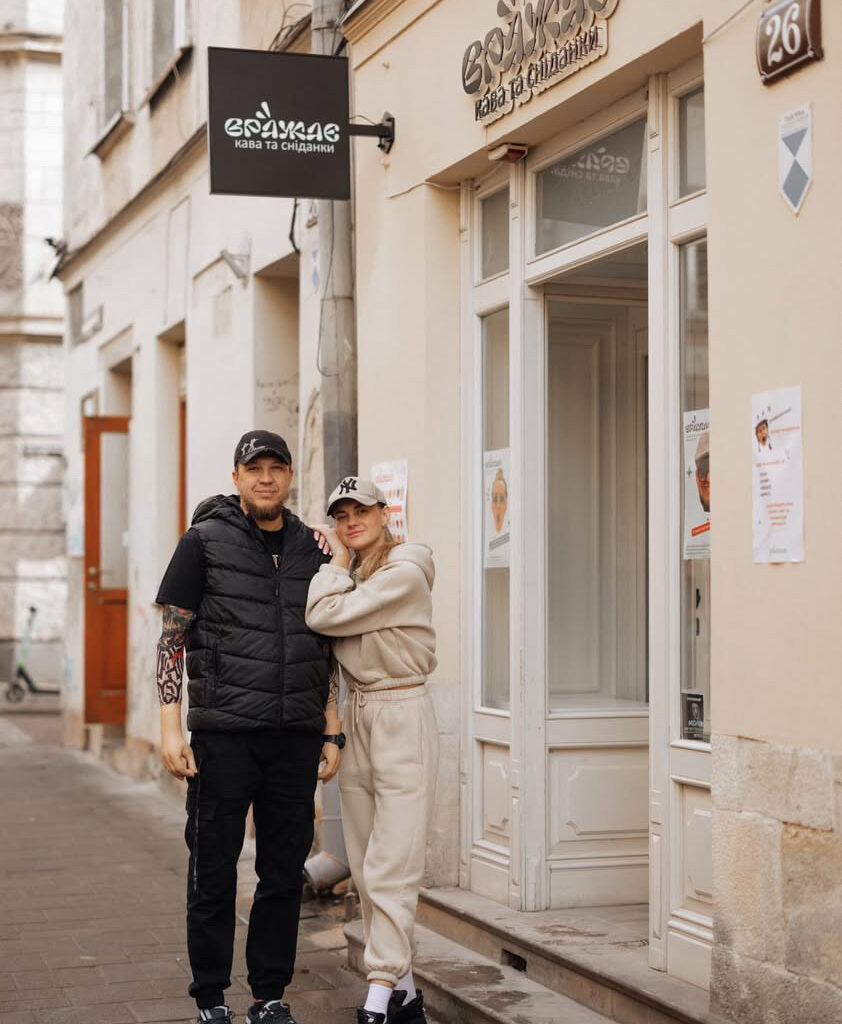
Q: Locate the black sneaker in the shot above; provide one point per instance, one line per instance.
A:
(401, 1012)
(369, 1017)
(217, 1015)
(271, 1012)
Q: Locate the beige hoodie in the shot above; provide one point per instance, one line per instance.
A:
(382, 626)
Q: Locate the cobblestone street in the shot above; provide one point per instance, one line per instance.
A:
(92, 869)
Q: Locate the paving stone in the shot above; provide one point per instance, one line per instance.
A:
(104, 1013)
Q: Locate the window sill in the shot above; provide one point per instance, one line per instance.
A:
(166, 77)
(119, 125)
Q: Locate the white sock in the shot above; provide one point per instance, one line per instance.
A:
(377, 1000)
(407, 983)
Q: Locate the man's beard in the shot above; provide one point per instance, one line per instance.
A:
(263, 513)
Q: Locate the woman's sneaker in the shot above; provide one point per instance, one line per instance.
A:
(369, 1016)
(401, 1012)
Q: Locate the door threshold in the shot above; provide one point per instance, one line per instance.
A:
(597, 956)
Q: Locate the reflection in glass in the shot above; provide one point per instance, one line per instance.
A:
(695, 582)
(494, 220)
(495, 585)
(114, 511)
(596, 509)
(599, 185)
(691, 148)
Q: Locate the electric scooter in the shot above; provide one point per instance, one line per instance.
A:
(23, 681)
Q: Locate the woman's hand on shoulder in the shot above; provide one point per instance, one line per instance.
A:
(329, 542)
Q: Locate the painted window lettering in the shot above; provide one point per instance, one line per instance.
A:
(264, 126)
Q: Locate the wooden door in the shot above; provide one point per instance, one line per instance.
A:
(106, 567)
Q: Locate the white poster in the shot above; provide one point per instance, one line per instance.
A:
(495, 517)
(777, 476)
(696, 446)
(391, 477)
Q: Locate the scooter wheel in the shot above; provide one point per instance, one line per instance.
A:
(15, 693)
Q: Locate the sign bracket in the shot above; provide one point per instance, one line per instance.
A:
(383, 132)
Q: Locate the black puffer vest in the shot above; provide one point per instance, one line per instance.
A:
(252, 663)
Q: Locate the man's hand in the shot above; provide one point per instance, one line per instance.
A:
(330, 758)
(176, 752)
(177, 755)
(340, 554)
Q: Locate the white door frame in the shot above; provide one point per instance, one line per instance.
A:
(519, 872)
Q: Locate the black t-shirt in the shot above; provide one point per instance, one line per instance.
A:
(183, 584)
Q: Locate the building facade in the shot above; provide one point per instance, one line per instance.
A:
(186, 312)
(583, 264)
(32, 568)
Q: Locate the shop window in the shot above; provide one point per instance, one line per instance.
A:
(695, 493)
(598, 186)
(115, 59)
(494, 233)
(691, 145)
(495, 520)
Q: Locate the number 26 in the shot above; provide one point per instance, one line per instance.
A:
(787, 31)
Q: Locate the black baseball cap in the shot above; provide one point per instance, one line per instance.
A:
(261, 442)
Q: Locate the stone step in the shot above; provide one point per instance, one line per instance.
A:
(597, 956)
(462, 987)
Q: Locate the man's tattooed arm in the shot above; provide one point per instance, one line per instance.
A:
(176, 626)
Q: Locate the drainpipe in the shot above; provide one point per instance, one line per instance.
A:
(337, 363)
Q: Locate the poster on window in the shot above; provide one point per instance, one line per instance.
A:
(392, 478)
(696, 445)
(495, 498)
(777, 476)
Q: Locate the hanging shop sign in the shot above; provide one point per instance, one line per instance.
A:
(538, 44)
(277, 124)
(789, 34)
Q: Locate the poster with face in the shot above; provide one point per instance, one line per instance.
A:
(392, 478)
(777, 476)
(696, 448)
(496, 527)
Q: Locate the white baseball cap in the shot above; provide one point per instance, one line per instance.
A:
(366, 492)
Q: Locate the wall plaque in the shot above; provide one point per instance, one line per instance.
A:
(789, 34)
(537, 44)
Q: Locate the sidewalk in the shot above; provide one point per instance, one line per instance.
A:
(92, 880)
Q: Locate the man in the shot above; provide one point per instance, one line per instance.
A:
(702, 460)
(234, 596)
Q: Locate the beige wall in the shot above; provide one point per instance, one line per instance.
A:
(775, 310)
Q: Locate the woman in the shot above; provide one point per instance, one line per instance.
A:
(374, 599)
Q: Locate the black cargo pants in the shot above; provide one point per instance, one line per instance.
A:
(276, 773)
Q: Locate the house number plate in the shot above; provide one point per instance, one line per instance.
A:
(788, 35)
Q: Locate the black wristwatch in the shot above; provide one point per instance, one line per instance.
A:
(337, 738)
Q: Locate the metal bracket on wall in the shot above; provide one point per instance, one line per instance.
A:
(383, 132)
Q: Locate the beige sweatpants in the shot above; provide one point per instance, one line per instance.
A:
(387, 782)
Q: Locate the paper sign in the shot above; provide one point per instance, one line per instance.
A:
(696, 446)
(495, 517)
(777, 476)
(391, 478)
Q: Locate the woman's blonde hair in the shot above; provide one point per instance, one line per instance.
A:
(377, 559)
